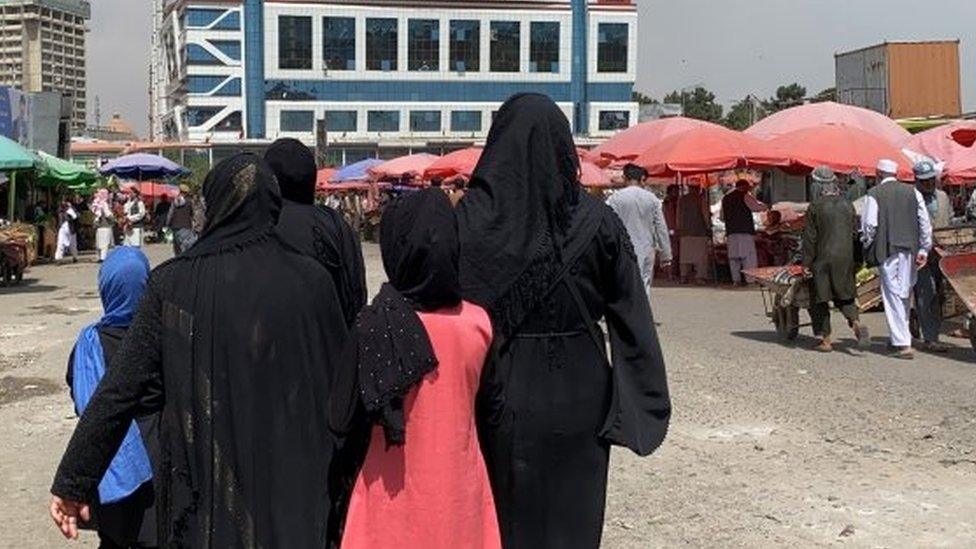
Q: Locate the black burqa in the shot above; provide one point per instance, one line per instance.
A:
(317, 231)
(239, 337)
(389, 351)
(549, 262)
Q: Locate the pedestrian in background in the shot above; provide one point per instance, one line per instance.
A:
(101, 208)
(897, 236)
(642, 213)
(135, 217)
(67, 232)
(740, 229)
(123, 513)
(179, 220)
(828, 252)
(928, 287)
(695, 235)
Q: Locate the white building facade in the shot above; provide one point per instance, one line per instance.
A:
(391, 74)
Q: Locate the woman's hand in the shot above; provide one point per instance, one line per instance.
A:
(66, 513)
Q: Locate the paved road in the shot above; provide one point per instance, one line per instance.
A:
(771, 445)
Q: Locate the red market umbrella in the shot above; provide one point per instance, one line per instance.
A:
(819, 114)
(593, 176)
(322, 179)
(631, 143)
(708, 149)
(954, 145)
(406, 166)
(456, 164)
(152, 190)
(842, 148)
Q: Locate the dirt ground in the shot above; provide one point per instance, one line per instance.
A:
(771, 445)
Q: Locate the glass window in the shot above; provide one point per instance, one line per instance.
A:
(201, 17)
(297, 121)
(505, 46)
(197, 55)
(231, 89)
(294, 42)
(614, 120)
(612, 47)
(425, 121)
(198, 116)
(465, 46)
(340, 121)
(381, 44)
(383, 121)
(339, 43)
(544, 47)
(355, 155)
(203, 84)
(233, 122)
(466, 121)
(231, 22)
(230, 48)
(424, 45)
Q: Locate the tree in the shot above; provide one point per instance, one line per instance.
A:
(699, 103)
(744, 113)
(786, 97)
(829, 94)
(638, 97)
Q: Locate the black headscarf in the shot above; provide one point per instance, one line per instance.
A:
(514, 218)
(390, 351)
(294, 165)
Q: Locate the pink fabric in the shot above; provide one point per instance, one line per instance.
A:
(952, 144)
(632, 142)
(404, 166)
(432, 492)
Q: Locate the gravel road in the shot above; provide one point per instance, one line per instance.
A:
(771, 445)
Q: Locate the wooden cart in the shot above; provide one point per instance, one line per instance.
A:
(786, 290)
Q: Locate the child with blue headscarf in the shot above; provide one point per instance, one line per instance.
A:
(124, 515)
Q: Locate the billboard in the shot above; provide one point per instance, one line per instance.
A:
(15, 115)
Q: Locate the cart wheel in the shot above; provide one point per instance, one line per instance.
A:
(779, 320)
(913, 326)
(19, 277)
(792, 322)
(5, 275)
(972, 332)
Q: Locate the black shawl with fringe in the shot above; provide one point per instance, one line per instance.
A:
(514, 218)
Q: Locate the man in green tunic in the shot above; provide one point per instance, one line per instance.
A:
(828, 252)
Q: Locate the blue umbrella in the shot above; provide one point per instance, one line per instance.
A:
(143, 167)
(355, 172)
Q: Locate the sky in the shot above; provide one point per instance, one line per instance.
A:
(732, 47)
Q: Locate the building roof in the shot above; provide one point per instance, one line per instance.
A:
(896, 42)
(627, 5)
(80, 8)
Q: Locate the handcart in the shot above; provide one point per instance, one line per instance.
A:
(955, 250)
(786, 290)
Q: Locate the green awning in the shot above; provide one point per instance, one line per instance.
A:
(53, 171)
(14, 157)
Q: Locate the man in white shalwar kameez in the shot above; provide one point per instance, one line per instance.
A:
(642, 213)
(897, 235)
(67, 235)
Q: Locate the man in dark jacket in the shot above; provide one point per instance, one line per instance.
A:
(828, 251)
(317, 231)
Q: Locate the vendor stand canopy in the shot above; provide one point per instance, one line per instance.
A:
(633, 142)
(143, 167)
(152, 190)
(456, 164)
(14, 157)
(322, 178)
(954, 146)
(708, 149)
(54, 171)
(829, 113)
(355, 172)
(842, 148)
(593, 176)
(412, 166)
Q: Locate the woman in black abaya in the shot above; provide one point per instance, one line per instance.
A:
(234, 342)
(548, 262)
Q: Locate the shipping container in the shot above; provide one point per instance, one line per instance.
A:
(902, 79)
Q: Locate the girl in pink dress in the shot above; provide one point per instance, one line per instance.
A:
(406, 392)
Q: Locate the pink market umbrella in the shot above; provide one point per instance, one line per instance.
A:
(954, 145)
(593, 176)
(456, 164)
(819, 114)
(406, 166)
(708, 149)
(323, 177)
(631, 143)
(152, 190)
(842, 148)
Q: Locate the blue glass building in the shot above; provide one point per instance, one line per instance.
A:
(391, 73)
